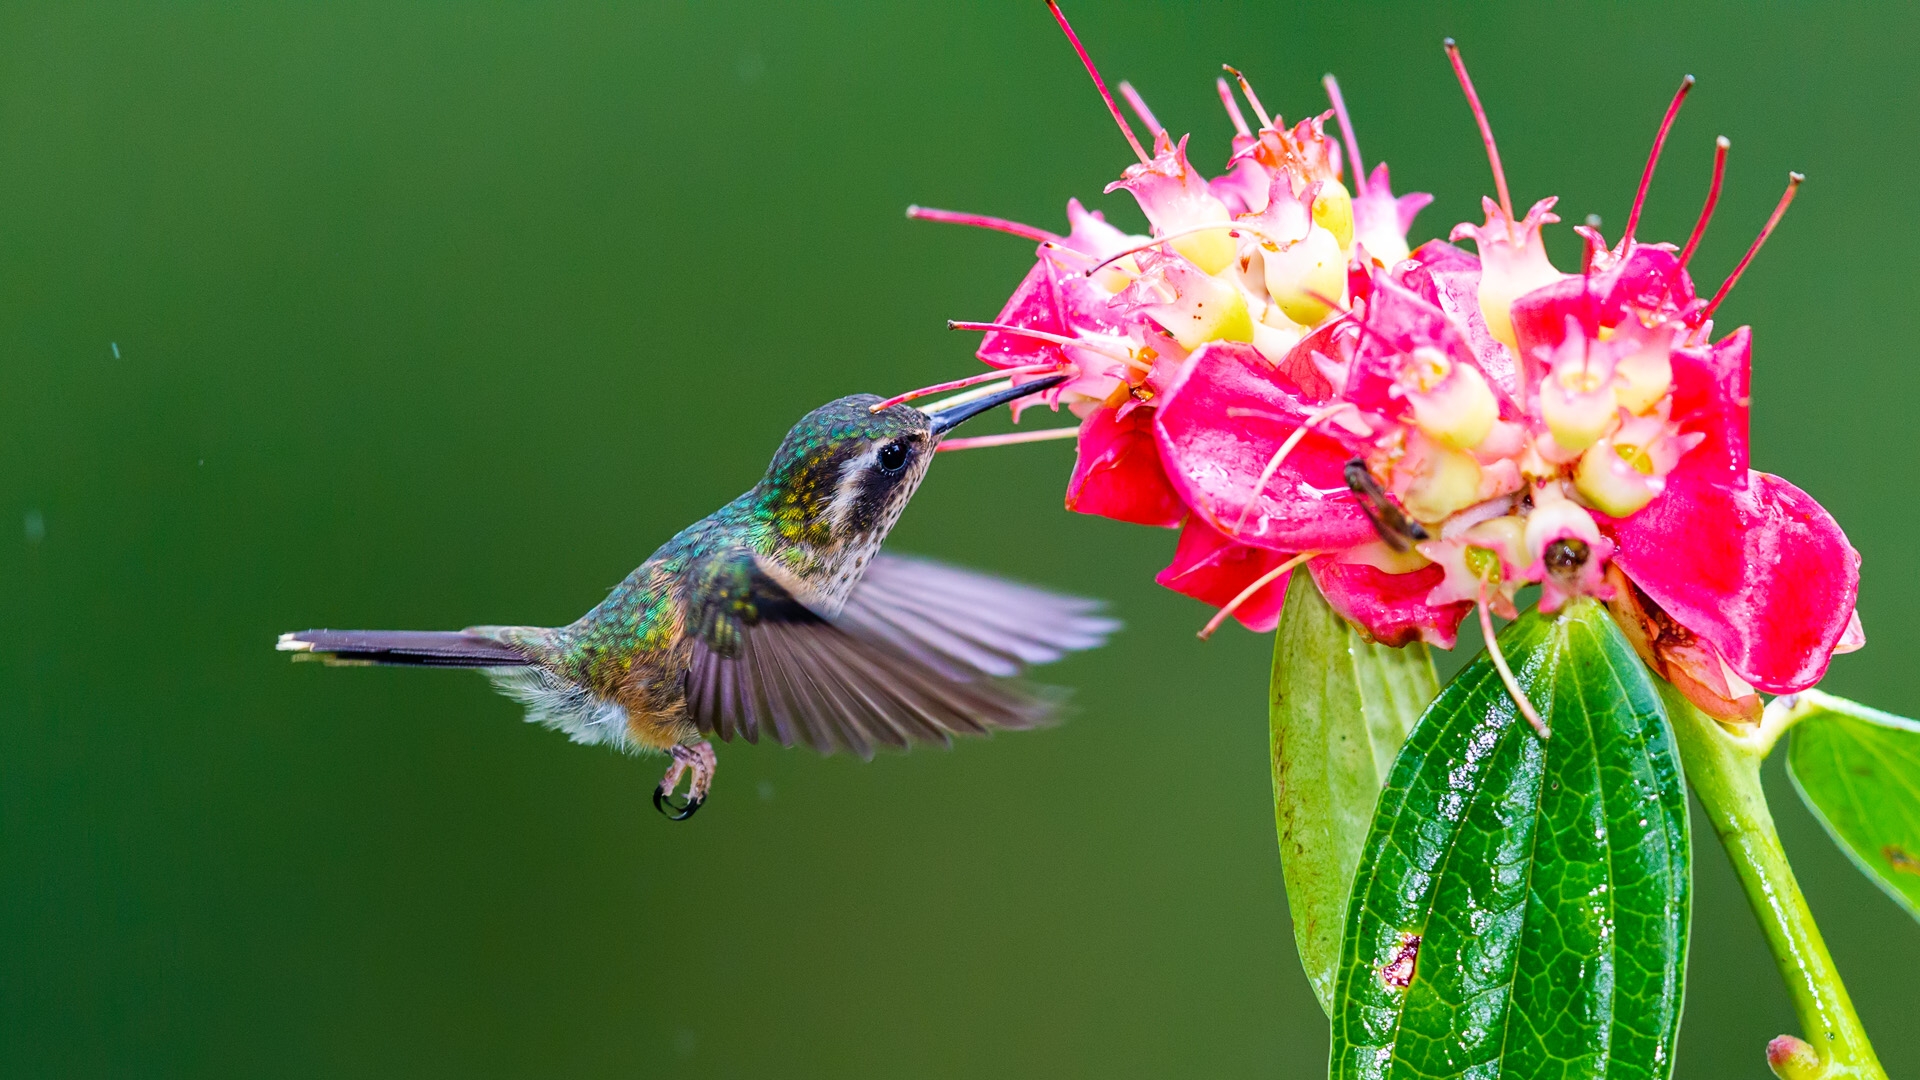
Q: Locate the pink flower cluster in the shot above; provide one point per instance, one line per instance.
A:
(1274, 372)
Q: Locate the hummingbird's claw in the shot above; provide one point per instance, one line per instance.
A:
(672, 811)
(696, 759)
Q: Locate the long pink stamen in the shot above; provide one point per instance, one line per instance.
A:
(1042, 335)
(1177, 234)
(1653, 158)
(1233, 107)
(1247, 593)
(1486, 129)
(1793, 185)
(961, 384)
(1098, 83)
(1009, 439)
(1139, 106)
(1720, 146)
(982, 221)
(1252, 99)
(1506, 673)
(1346, 132)
(1293, 439)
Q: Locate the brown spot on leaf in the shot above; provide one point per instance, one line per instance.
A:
(1902, 862)
(1397, 973)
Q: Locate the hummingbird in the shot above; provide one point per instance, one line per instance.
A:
(778, 616)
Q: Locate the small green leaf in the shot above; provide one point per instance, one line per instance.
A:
(1858, 769)
(1340, 708)
(1521, 907)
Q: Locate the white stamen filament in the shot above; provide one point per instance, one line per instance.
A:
(1140, 109)
(1233, 107)
(1235, 227)
(1354, 169)
(957, 384)
(1056, 339)
(1247, 89)
(1506, 673)
(1009, 439)
(972, 395)
(1293, 439)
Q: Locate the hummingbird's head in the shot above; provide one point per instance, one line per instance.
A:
(845, 472)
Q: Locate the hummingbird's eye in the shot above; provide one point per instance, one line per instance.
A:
(893, 457)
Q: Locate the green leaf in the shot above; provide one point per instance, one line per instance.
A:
(1859, 771)
(1521, 908)
(1340, 708)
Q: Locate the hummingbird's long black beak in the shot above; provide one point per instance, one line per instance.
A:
(949, 419)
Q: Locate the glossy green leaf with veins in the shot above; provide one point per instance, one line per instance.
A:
(1859, 771)
(1340, 708)
(1521, 906)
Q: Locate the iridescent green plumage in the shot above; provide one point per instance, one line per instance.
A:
(774, 616)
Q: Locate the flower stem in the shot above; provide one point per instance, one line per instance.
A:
(1724, 770)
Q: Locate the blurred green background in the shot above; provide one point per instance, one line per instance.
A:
(435, 314)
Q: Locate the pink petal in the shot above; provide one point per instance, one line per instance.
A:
(1398, 321)
(1219, 424)
(1326, 349)
(1679, 656)
(1213, 569)
(1171, 193)
(1648, 280)
(1710, 396)
(1118, 473)
(1389, 608)
(1763, 574)
(1243, 187)
(1449, 278)
(1053, 301)
(1376, 205)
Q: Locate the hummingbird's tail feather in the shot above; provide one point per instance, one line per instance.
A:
(409, 648)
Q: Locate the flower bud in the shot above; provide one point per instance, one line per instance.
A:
(1617, 478)
(1194, 307)
(1379, 555)
(1513, 263)
(1275, 335)
(1505, 536)
(1333, 211)
(1451, 402)
(1566, 552)
(1794, 1059)
(1643, 376)
(1211, 251)
(1301, 273)
(1577, 400)
(1626, 470)
(1443, 481)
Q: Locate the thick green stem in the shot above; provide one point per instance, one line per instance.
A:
(1724, 770)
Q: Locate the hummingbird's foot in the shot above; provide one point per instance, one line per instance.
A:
(699, 761)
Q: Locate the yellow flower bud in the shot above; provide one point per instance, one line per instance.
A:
(1643, 377)
(1617, 480)
(1333, 211)
(1504, 536)
(1211, 251)
(1194, 307)
(1445, 481)
(1459, 410)
(1302, 272)
(1577, 404)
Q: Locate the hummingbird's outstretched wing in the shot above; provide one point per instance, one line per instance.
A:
(913, 659)
(966, 623)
